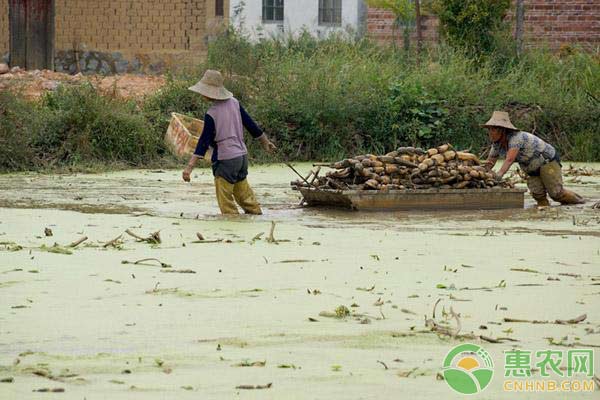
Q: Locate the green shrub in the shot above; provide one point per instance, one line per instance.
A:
(19, 122)
(82, 125)
(419, 117)
(74, 126)
(471, 24)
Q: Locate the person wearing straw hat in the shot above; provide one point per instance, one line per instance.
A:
(224, 125)
(538, 159)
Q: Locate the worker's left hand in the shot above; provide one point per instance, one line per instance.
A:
(269, 146)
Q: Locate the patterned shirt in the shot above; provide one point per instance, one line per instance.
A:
(533, 151)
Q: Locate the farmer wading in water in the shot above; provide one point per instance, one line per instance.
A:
(539, 160)
(224, 124)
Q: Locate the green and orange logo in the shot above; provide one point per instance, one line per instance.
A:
(468, 369)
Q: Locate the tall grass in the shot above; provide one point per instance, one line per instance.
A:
(326, 99)
(322, 100)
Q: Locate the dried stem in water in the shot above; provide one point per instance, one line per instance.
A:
(271, 237)
(78, 242)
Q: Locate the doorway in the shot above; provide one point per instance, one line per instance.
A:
(31, 25)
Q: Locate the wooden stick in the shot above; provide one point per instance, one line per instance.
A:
(113, 242)
(252, 387)
(434, 307)
(309, 175)
(497, 340)
(134, 235)
(334, 184)
(298, 173)
(258, 236)
(271, 238)
(315, 175)
(148, 259)
(458, 324)
(78, 242)
(153, 238)
(382, 363)
(144, 261)
(572, 321)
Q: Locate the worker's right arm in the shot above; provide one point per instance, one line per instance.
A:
(492, 157)
(206, 139)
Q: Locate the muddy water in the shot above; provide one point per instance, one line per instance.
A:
(101, 327)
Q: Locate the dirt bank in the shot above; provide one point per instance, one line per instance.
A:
(33, 84)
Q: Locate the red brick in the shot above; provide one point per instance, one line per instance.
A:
(547, 22)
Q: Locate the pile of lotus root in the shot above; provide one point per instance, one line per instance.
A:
(406, 168)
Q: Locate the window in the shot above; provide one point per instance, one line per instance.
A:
(219, 9)
(330, 12)
(272, 10)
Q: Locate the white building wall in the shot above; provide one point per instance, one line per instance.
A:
(298, 15)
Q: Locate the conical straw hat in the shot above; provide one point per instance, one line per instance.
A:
(500, 119)
(211, 86)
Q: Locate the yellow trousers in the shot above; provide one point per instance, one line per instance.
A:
(228, 194)
(550, 182)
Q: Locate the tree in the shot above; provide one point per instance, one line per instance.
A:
(471, 24)
(404, 12)
(520, 17)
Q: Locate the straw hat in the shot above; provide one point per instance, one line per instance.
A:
(500, 119)
(211, 86)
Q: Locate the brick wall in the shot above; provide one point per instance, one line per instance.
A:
(552, 22)
(127, 35)
(134, 25)
(562, 22)
(134, 35)
(4, 35)
(380, 27)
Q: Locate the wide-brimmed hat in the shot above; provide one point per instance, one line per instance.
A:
(211, 86)
(500, 119)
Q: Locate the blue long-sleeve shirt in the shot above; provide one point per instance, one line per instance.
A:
(207, 139)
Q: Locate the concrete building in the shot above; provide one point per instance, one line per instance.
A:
(263, 18)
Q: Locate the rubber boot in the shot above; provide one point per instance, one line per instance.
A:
(542, 202)
(225, 197)
(244, 196)
(569, 197)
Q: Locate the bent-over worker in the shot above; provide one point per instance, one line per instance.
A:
(224, 124)
(538, 159)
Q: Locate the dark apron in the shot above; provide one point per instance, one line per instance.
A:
(233, 171)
